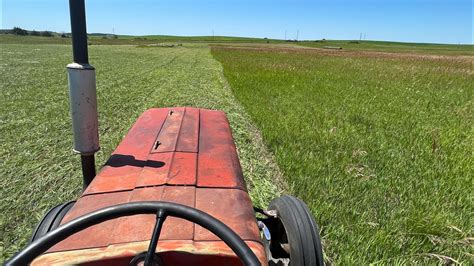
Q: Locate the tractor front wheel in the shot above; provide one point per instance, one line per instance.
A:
(294, 234)
(51, 220)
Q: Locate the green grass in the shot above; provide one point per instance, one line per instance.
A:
(379, 146)
(96, 39)
(37, 166)
(16, 39)
(104, 39)
(171, 38)
(397, 47)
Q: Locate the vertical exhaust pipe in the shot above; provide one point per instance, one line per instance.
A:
(82, 94)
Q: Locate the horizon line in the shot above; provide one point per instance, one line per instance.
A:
(248, 37)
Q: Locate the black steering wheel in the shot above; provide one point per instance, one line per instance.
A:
(161, 209)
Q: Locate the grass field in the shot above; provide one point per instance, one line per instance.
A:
(38, 169)
(379, 145)
(104, 39)
(375, 138)
(397, 47)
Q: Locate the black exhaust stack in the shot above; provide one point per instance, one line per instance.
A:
(82, 93)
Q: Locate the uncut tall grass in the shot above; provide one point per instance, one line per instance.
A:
(379, 145)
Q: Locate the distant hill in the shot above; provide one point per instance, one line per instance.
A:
(6, 36)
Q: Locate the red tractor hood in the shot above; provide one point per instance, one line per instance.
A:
(183, 155)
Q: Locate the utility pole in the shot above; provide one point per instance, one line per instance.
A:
(285, 35)
(212, 35)
(360, 36)
(297, 34)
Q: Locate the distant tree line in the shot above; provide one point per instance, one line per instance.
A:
(110, 36)
(20, 31)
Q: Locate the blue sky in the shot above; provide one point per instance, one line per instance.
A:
(448, 21)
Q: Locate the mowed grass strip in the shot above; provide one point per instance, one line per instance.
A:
(38, 169)
(379, 146)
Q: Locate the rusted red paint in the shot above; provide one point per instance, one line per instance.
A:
(168, 136)
(180, 131)
(136, 147)
(198, 148)
(231, 206)
(218, 163)
(97, 235)
(173, 252)
(188, 140)
(139, 227)
(196, 164)
(179, 169)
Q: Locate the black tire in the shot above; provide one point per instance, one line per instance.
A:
(51, 220)
(297, 229)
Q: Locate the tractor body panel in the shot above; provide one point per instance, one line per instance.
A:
(183, 155)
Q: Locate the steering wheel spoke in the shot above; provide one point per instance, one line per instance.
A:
(160, 219)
